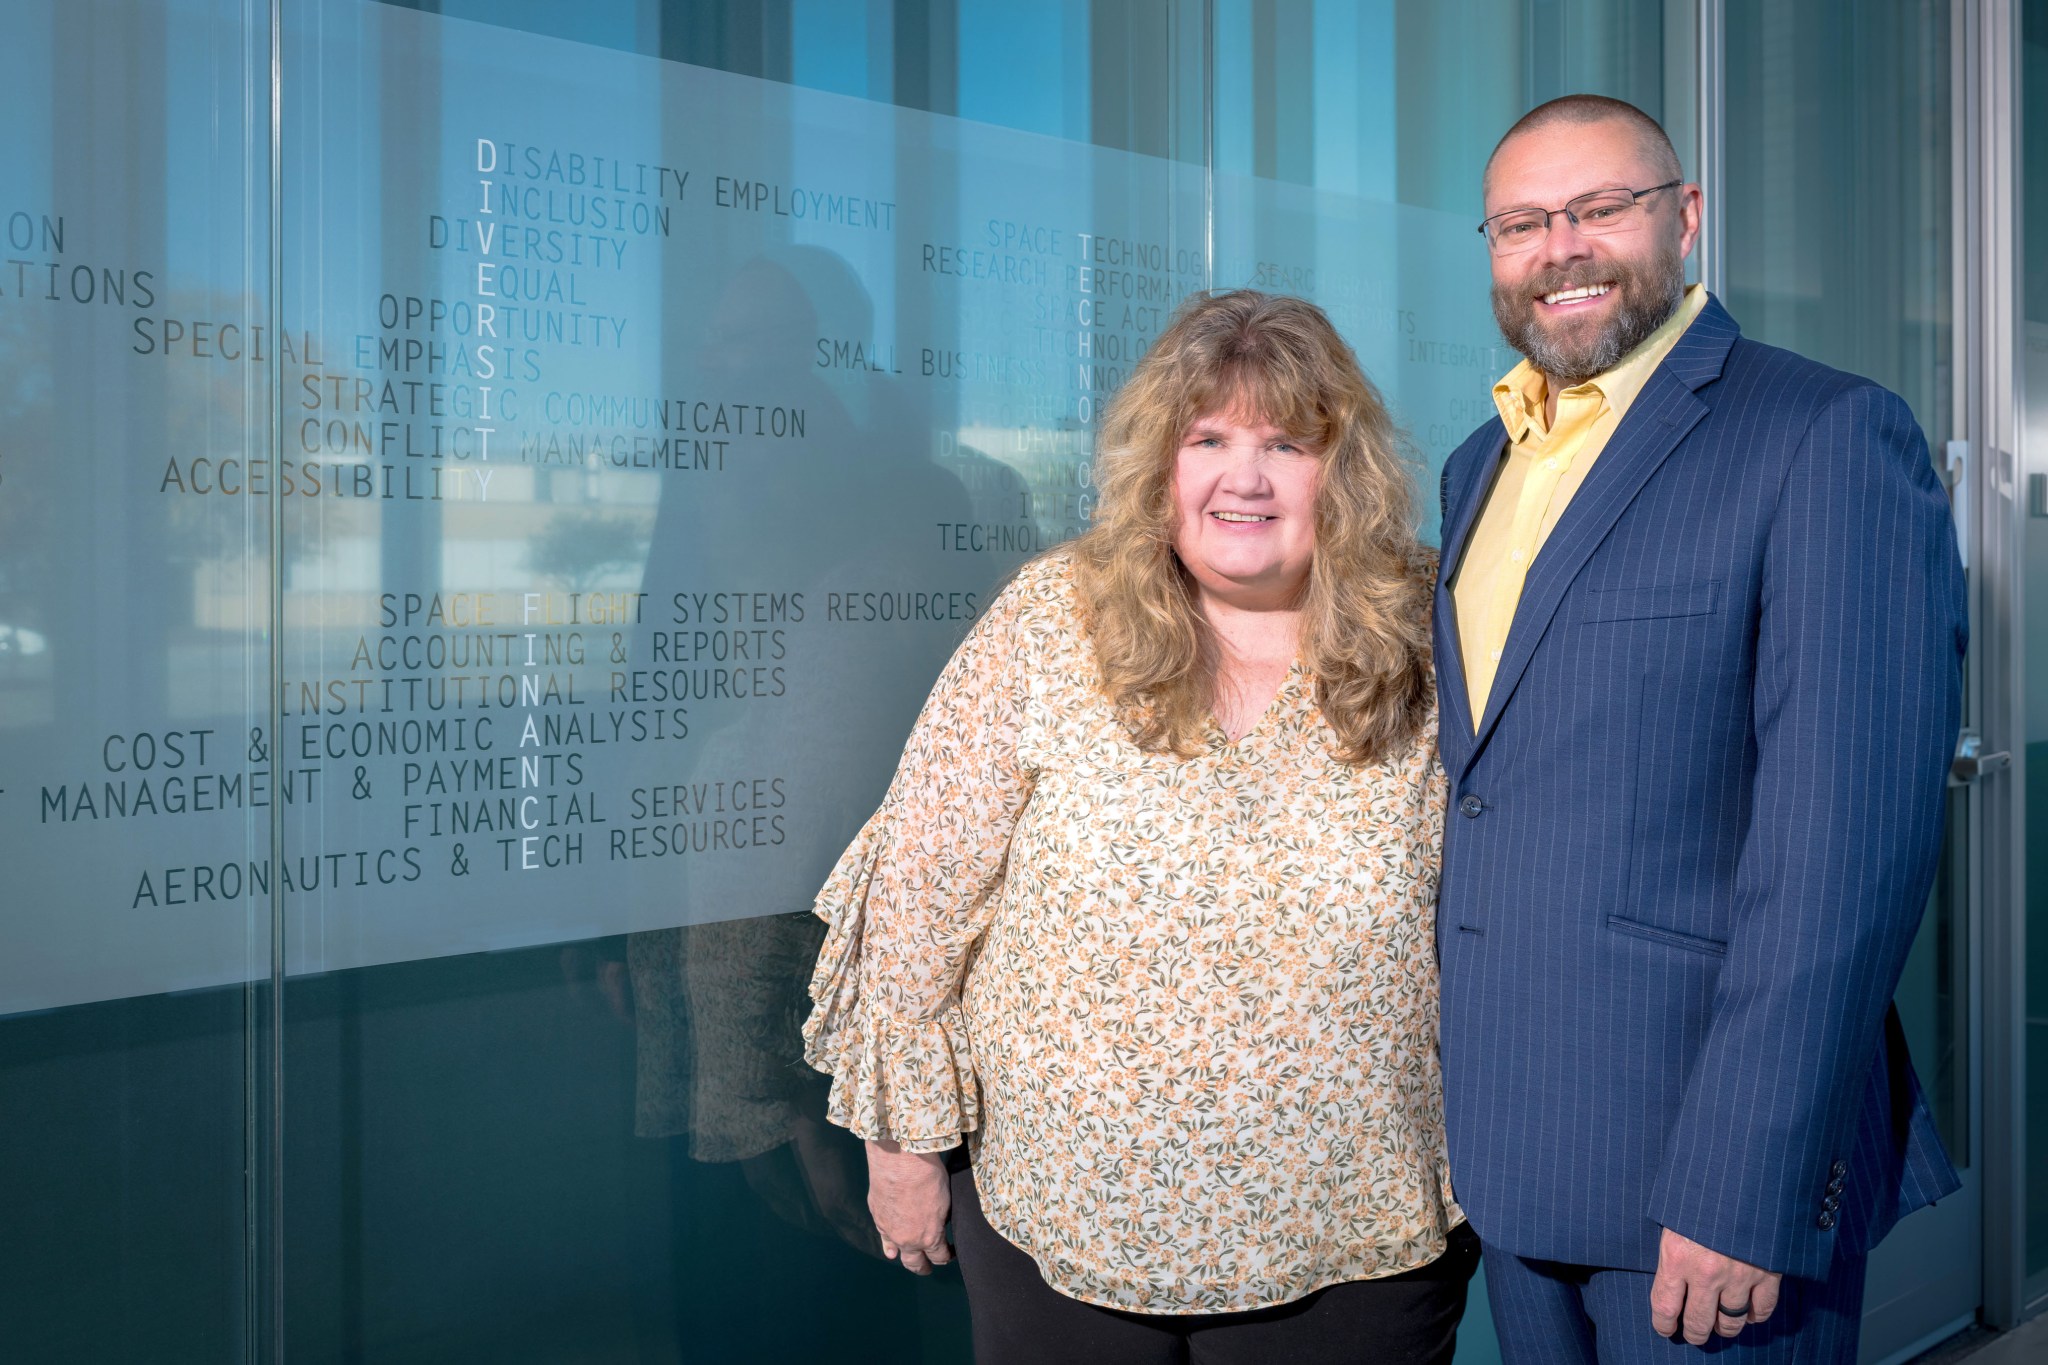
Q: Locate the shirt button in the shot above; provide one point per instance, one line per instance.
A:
(1550, 464)
(1496, 656)
(1515, 555)
(1470, 807)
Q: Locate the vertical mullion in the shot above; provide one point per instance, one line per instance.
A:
(1208, 144)
(1710, 100)
(1986, 102)
(273, 1146)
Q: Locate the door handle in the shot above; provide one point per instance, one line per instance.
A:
(1971, 762)
(1957, 461)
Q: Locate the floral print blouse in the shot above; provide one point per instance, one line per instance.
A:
(1184, 1011)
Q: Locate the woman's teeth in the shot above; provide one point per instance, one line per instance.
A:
(1237, 516)
(1591, 291)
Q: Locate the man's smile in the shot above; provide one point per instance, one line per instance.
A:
(1579, 296)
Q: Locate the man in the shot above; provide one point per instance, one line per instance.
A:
(1700, 630)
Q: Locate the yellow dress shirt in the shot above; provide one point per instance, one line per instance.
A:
(1546, 463)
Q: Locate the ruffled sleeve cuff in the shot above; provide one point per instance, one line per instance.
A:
(893, 1078)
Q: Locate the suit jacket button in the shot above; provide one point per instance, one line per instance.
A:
(1839, 1169)
(1471, 806)
(1826, 1221)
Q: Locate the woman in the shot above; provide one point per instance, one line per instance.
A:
(1145, 917)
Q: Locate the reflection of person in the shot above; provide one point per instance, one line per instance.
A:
(1144, 916)
(716, 1009)
(718, 1003)
(758, 1174)
(1700, 627)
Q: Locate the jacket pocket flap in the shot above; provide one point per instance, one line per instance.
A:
(1650, 603)
(1712, 947)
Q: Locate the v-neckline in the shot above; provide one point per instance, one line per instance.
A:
(1260, 722)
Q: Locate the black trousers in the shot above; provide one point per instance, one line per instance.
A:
(1405, 1319)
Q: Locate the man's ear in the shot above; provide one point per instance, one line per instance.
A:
(1691, 210)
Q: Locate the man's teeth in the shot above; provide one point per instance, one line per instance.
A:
(1591, 291)
(1237, 516)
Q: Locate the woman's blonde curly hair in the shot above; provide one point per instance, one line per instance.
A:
(1365, 635)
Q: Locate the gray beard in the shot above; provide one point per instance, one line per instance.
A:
(1648, 298)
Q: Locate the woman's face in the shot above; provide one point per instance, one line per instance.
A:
(1244, 499)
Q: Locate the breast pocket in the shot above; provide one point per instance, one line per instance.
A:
(1656, 602)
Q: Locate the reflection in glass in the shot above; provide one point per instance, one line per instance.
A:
(1838, 247)
(1838, 244)
(1346, 174)
(136, 775)
(559, 1119)
(863, 279)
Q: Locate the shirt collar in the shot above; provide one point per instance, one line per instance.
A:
(1519, 395)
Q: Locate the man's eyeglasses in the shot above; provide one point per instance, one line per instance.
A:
(1594, 213)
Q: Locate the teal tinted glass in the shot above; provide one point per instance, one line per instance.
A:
(1838, 217)
(668, 443)
(137, 776)
(802, 314)
(1344, 175)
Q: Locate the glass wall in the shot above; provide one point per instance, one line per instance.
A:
(1348, 149)
(1837, 214)
(643, 396)
(697, 421)
(137, 785)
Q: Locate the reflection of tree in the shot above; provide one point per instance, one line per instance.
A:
(28, 542)
(87, 430)
(27, 437)
(581, 546)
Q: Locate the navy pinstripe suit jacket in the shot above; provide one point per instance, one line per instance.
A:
(1691, 839)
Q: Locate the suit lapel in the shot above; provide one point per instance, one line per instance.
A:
(1461, 512)
(1663, 413)
(1468, 492)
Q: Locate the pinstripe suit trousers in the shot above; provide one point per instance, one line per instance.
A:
(1550, 1314)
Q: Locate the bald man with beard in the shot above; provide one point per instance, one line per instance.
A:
(1700, 630)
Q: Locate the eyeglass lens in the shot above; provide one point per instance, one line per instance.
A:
(1593, 214)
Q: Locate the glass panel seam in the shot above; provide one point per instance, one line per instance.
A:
(1710, 100)
(272, 1155)
(1208, 144)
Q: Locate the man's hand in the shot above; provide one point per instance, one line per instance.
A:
(1694, 1285)
(908, 1195)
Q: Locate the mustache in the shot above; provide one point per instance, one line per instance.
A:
(1551, 281)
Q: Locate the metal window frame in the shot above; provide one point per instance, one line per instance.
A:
(1709, 126)
(1990, 342)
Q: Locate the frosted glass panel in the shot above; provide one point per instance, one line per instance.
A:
(653, 456)
(135, 331)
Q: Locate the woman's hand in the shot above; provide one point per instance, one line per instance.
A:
(908, 1195)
